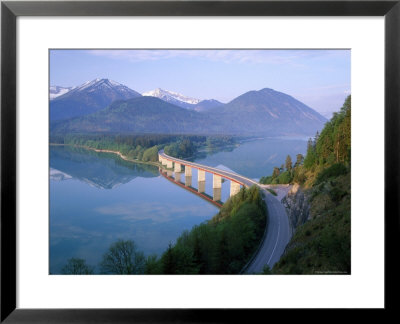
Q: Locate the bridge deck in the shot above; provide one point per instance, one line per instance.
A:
(224, 174)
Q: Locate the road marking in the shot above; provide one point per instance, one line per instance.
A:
(276, 243)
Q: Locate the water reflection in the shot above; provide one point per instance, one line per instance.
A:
(257, 158)
(188, 181)
(138, 204)
(201, 186)
(102, 170)
(217, 194)
(200, 192)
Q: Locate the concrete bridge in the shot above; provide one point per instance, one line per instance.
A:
(187, 185)
(175, 164)
(277, 233)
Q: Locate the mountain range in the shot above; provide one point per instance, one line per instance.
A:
(89, 98)
(107, 106)
(183, 101)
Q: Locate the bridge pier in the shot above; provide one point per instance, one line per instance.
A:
(169, 164)
(217, 194)
(177, 167)
(217, 181)
(201, 175)
(188, 171)
(178, 176)
(201, 186)
(235, 188)
(188, 181)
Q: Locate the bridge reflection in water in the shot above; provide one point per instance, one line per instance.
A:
(175, 177)
(174, 164)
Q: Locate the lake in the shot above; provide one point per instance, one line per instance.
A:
(98, 198)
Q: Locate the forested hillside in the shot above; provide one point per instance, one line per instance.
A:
(322, 244)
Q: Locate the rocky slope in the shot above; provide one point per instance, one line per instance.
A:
(297, 206)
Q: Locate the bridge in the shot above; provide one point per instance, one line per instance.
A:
(176, 164)
(187, 185)
(277, 234)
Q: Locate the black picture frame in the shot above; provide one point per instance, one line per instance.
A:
(10, 10)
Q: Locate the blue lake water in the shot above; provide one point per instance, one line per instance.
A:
(97, 198)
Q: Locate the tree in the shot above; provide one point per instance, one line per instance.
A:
(266, 270)
(288, 163)
(276, 172)
(123, 258)
(76, 266)
(151, 154)
(153, 265)
(299, 160)
(169, 261)
(311, 156)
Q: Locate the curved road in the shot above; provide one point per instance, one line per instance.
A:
(275, 239)
(277, 235)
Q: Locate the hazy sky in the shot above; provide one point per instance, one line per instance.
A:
(318, 78)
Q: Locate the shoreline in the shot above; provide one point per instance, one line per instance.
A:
(123, 157)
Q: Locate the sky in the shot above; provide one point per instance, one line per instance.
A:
(318, 78)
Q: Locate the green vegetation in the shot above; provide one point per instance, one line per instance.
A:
(222, 245)
(76, 266)
(322, 244)
(143, 147)
(136, 147)
(183, 148)
(282, 175)
(123, 258)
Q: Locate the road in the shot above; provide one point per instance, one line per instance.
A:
(277, 235)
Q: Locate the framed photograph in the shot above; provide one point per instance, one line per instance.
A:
(163, 159)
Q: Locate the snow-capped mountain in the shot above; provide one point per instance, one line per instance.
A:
(56, 91)
(173, 98)
(88, 98)
(105, 85)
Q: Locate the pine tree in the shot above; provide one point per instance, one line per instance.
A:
(299, 160)
(288, 163)
(168, 260)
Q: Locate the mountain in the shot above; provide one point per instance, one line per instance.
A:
(173, 98)
(264, 112)
(56, 91)
(89, 98)
(268, 112)
(205, 105)
(139, 115)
